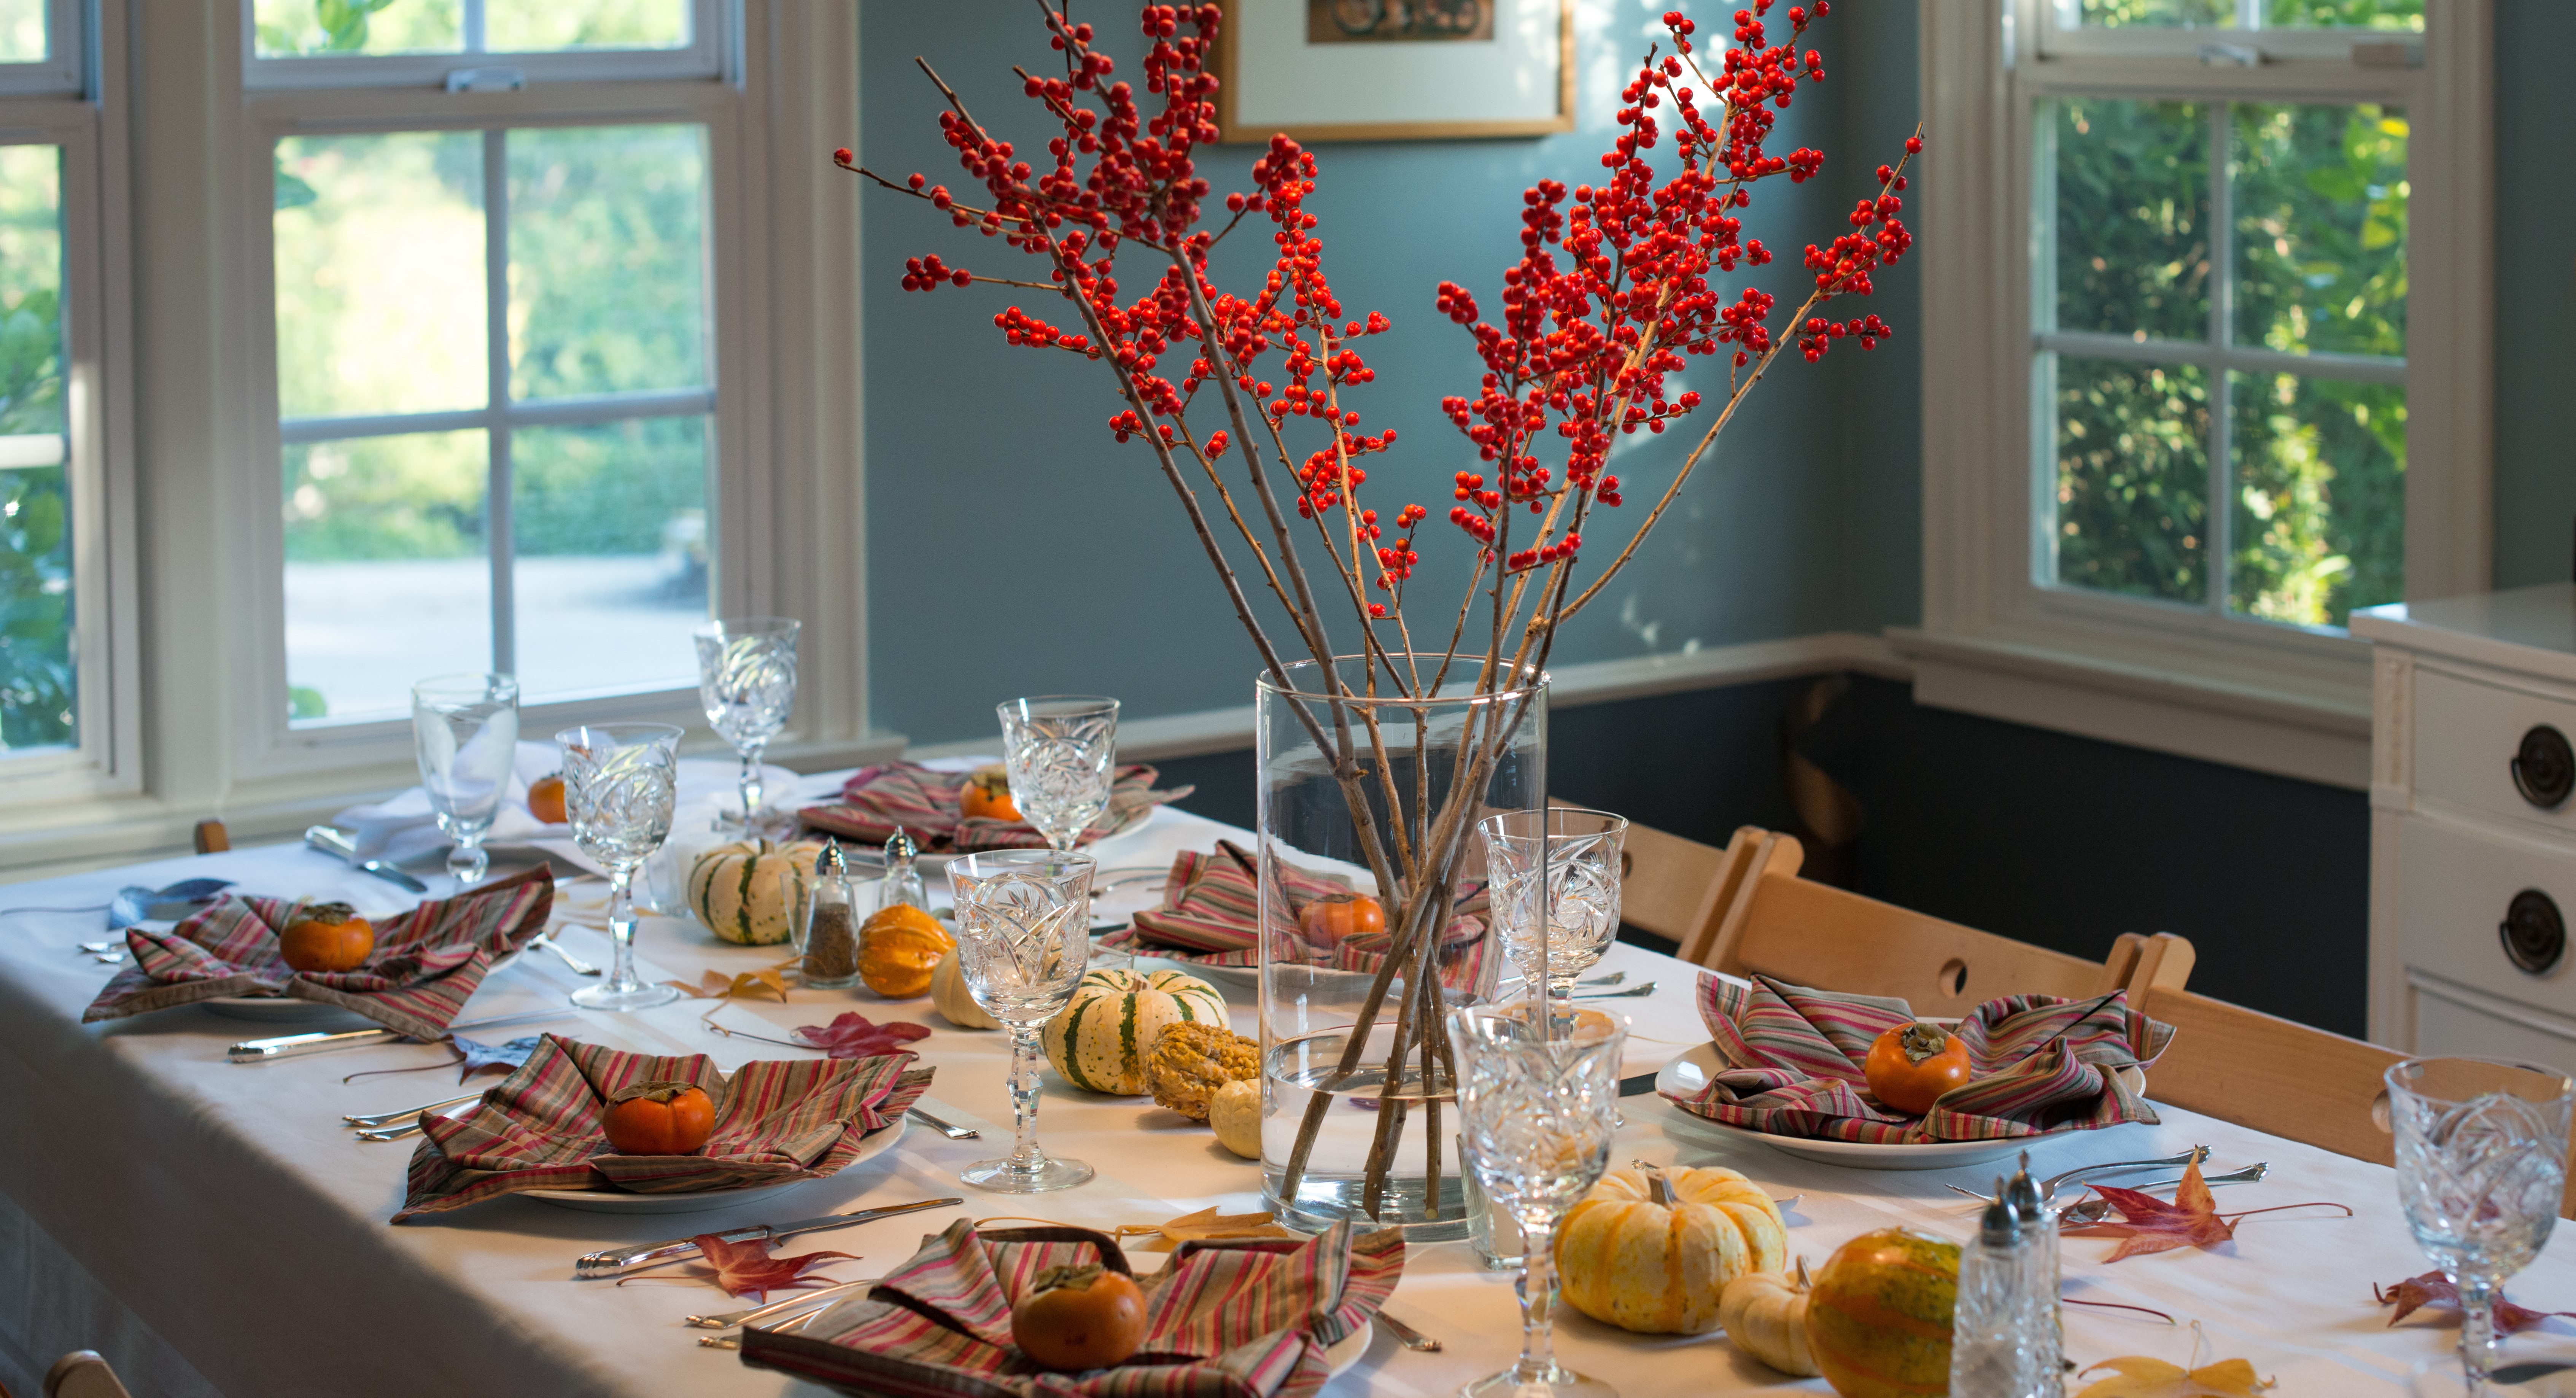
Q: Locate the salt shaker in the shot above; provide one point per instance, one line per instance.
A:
(902, 883)
(2004, 1340)
(831, 925)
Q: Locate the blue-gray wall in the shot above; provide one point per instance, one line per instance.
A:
(2535, 469)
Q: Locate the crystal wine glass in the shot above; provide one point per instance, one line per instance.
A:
(1059, 749)
(465, 732)
(1538, 1097)
(747, 684)
(1023, 938)
(619, 783)
(1577, 899)
(2481, 1167)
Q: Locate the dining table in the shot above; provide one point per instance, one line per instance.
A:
(215, 1228)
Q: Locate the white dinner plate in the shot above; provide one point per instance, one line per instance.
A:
(619, 1201)
(1690, 1072)
(1345, 1352)
(287, 1009)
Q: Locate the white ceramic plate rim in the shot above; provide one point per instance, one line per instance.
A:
(1345, 1352)
(289, 1009)
(1689, 1071)
(619, 1201)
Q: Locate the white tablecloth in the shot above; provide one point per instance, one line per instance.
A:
(228, 1210)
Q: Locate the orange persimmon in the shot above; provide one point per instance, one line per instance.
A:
(327, 937)
(1340, 917)
(546, 800)
(660, 1118)
(987, 795)
(1910, 1066)
(1079, 1318)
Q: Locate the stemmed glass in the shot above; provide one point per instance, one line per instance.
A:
(619, 783)
(2481, 1167)
(1023, 920)
(465, 733)
(1538, 1096)
(1058, 750)
(1577, 899)
(747, 684)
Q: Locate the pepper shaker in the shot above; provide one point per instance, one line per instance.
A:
(831, 924)
(902, 884)
(2005, 1341)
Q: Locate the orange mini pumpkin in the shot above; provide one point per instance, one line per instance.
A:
(899, 949)
(987, 795)
(660, 1118)
(546, 799)
(327, 937)
(1079, 1318)
(1327, 921)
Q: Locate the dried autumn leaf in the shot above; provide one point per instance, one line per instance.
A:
(850, 1035)
(1205, 1226)
(2433, 1288)
(716, 985)
(747, 1269)
(2140, 1377)
(2148, 1224)
(473, 1057)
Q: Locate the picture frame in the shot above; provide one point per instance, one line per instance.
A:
(1395, 70)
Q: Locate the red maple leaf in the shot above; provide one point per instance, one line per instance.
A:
(2433, 1288)
(747, 1269)
(850, 1035)
(2148, 1224)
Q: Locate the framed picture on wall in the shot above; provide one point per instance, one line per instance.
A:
(1395, 70)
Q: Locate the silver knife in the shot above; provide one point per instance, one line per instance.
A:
(616, 1260)
(294, 1045)
(333, 840)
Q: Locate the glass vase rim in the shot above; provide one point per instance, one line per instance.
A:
(2393, 1080)
(1534, 681)
(716, 626)
(464, 681)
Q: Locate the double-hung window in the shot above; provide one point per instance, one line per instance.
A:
(499, 251)
(2219, 271)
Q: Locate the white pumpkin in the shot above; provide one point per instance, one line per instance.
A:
(754, 892)
(1235, 1112)
(1099, 1040)
(1651, 1250)
(949, 996)
(1765, 1315)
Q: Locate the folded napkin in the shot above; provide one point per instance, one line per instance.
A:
(2037, 1064)
(924, 801)
(542, 1127)
(425, 966)
(1211, 914)
(1224, 1320)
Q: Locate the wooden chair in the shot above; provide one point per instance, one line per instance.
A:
(1758, 916)
(83, 1374)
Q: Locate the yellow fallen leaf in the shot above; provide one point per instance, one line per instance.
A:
(1205, 1226)
(716, 985)
(2140, 1377)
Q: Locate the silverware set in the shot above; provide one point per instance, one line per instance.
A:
(394, 1125)
(1630, 993)
(2094, 1210)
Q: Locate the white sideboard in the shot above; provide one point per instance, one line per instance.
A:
(2473, 824)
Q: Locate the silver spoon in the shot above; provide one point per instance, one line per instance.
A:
(571, 962)
(1407, 1336)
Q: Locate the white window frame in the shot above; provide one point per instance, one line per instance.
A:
(88, 127)
(1995, 639)
(65, 69)
(703, 57)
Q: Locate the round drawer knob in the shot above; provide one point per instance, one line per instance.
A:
(2544, 770)
(2535, 936)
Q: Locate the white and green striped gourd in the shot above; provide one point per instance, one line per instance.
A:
(1099, 1040)
(753, 892)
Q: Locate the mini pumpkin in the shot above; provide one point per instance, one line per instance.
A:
(987, 794)
(1235, 1111)
(659, 1118)
(1190, 1061)
(949, 995)
(1099, 1040)
(1765, 1315)
(753, 892)
(899, 949)
(1652, 1250)
(327, 937)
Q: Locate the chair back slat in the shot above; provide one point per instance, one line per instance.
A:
(83, 1374)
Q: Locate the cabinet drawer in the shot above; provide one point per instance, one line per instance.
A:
(2469, 735)
(2444, 1025)
(2456, 887)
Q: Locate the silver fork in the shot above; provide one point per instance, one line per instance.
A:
(1407, 1336)
(729, 1319)
(571, 962)
(408, 1113)
(2085, 1211)
(2048, 1187)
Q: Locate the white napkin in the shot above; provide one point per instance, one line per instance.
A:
(404, 829)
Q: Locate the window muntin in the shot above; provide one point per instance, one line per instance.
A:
(484, 45)
(510, 449)
(39, 652)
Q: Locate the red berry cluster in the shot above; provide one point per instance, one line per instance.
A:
(923, 273)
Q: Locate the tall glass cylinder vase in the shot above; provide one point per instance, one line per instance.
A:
(1379, 797)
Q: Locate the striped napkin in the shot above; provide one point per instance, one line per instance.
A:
(877, 799)
(541, 1128)
(1212, 909)
(426, 964)
(1224, 1320)
(2037, 1064)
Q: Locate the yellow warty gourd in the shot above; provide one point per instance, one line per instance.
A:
(1765, 1315)
(1652, 1251)
(1189, 1062)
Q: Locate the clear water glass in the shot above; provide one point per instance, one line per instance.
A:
(465, 733)
(620, 782)
(747, 684)
(1059, 749)
(1560, 869)
(1538, 1099)
(2481, 1168)
(1023, 941)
